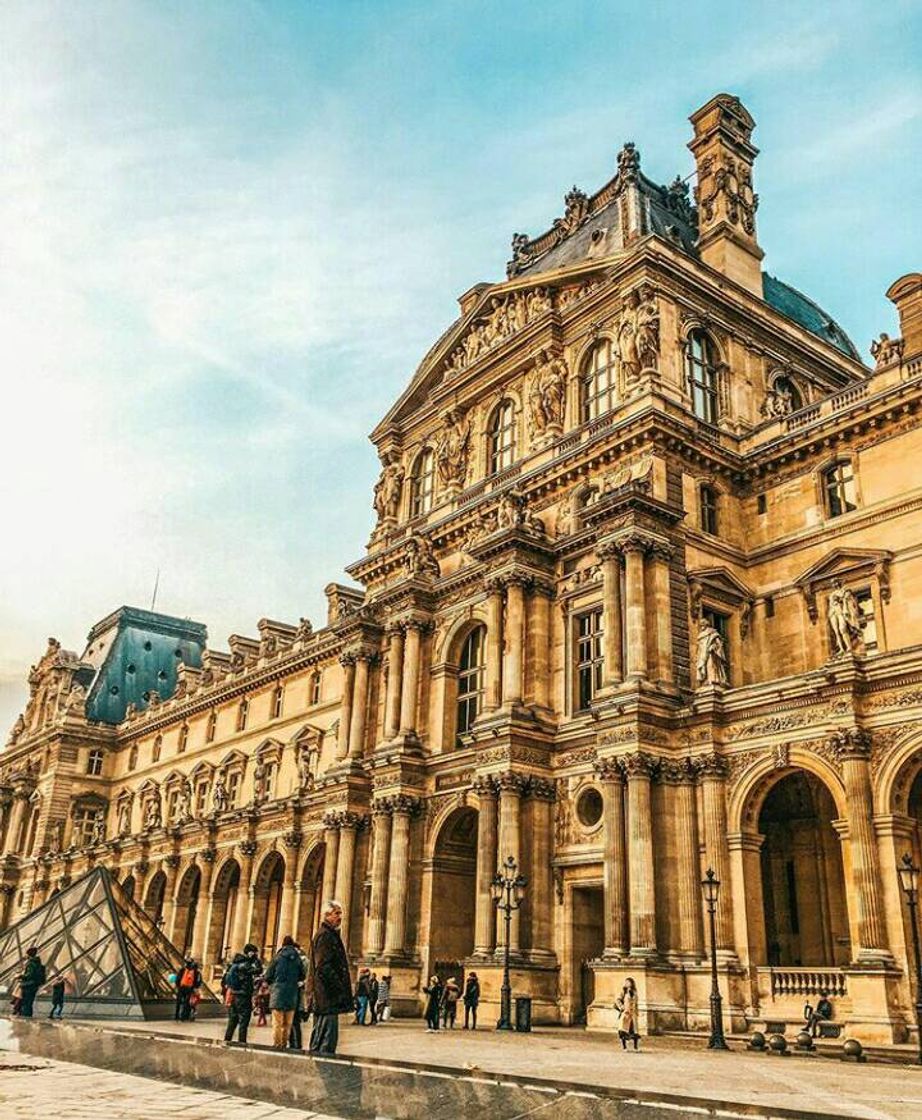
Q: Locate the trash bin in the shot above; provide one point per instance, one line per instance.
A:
(523, 1013)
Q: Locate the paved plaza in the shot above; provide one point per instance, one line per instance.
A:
(666, 1065)
(31, 1087)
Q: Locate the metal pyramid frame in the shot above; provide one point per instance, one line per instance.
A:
(108, 947)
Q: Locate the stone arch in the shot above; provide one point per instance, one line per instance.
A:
(310, 890)
(444, 696)
(898, 772)
(154, 896)
(268, 885)
(755, 783)
(452, 911)
(225, 899)
(128, 886)
(188, 899)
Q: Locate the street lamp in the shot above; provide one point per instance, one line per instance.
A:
(710, 884)
(909, 881)
(507, 891)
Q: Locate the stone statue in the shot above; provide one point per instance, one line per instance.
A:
(779, 401)
(76, 698)
(18, 728)
(305, 630)
(184, 805)
(638, 335)
(387, 489)
(844, 618)
(507, 513)
(420, 558)
(522, 254)
(124, 818)
(711, 661)
(547, 398)
(56, 838)
(98, 834)
(259, 782)
(885, 350)
(453, 448)
(153, 815)
(306, 755)
(218, 794)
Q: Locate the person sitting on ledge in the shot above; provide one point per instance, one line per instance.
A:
(822, 1013)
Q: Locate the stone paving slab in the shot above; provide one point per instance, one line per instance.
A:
(36, 1087)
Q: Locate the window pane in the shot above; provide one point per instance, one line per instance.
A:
(588, 658)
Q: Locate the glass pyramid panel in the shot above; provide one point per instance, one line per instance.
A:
(105, 945)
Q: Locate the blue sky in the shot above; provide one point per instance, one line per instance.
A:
(229, 231)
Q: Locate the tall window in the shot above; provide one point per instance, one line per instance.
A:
(156, 749)
(84, 819)
(315, 688)
(269, 781)
(839, 489)
(133, 758)
(94, 763)
(233, 788)
(868, 621)
(212, 723)
(707, 509)
(422, 483)
(701, 362)
(502, 437)
(201, 796)
(183, 738)
(278, 697)
(470, 680)
(598, 382)
(588, 657)
(243, 711)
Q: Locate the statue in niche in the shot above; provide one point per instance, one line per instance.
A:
(547, 398)
(184, 805)
(153, 814)
(844, 617)
(259, 782)
(387, 489)
(124, 818)
(219, 794)
(98, 834)
(453, 447)
(711, 660)
(307, 753)
(638, 335)
(56, 838)
(420, 559)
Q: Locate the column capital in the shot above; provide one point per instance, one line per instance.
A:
(292, 839)
(484, 785)
(345, 819)
(850, 742)
(248, 848)
(711, 766)
(609, 549)
(510, 782)
(172, 861)
(207, 855)
(676, 772)
(639, 765)
(542, 789)
(347, 660)
(401, 803)
(610, 770)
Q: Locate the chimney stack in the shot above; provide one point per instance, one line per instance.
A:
(906, 294)
(726, 202)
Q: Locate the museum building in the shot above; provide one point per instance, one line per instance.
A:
(643, 597)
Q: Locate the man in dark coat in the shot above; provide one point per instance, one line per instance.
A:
(239, 981)
(33, 976)
(329, 985)
(285, 976)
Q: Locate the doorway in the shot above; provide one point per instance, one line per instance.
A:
(588, 941)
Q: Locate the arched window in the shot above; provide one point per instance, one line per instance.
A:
(597, 385)
(183, 738)
(315, 688)
(701, 363)
(471, 679)
(422, 483)
(502, 436)
(157, 749)
(243, 712)
(788, 393)
(278, 699)
(839, 491)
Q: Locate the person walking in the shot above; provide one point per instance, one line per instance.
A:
(373, 988)
(295, 1039)
(433, 1004)
(384, 999)
(471, 1000)
(239, 982)
(33, 976)
(284, 976)
(261, 1002)
(626, 1006)
(450, 996)
(362, 996)
(329, 988)
(188, 980)
(57, 989)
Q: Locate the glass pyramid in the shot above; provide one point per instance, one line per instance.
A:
(115, 958)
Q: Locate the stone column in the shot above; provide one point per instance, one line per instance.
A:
(539, 634)
(203, 907)
(345, 707)
(853, 749)
(345, 867)
(241, 931)
(494, 651)
(485, 919)
(636, 612)
(712, 773)
(395, 934)
(287, 925)
(409, 696)
(681, 777)
(6, 904)
(170, 869)
(330, 859)
(359, 707)
(542, 793)
(6, 805)
(510, 833)
(614, 865)
(612, 638)
(746, 876)
(20, 803)
(639, 770)
(394, 684)
(380, 867)
(514, 643)
(662, 612)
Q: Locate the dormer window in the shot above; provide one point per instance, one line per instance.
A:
(422, 484)
(598, 386)
(701, 365)
(502, 434)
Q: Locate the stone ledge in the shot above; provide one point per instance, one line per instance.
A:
(365, 1088)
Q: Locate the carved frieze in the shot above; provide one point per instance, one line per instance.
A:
(504, 317)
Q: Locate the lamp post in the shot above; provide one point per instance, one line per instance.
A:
(507, 891)
(909, 881)
(710, 884)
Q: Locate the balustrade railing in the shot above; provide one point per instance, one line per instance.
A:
(806, 981)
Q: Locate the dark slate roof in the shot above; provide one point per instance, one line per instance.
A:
(795, 305)
(143, 651)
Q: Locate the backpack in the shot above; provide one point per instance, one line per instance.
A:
(187, 979)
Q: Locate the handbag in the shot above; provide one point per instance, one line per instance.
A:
(385, 1014)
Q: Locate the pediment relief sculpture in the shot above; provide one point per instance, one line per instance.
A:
(503, 317)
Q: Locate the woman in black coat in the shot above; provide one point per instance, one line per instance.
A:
(433, 1004)
(471, 1000)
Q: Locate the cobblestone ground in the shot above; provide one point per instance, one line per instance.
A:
(36, 1087)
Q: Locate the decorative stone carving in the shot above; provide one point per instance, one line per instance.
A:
(453, 449)
(885, 350)
(711, 656)
(260, 773)
(576, 211)
(98, 833)
(850, 742)
(305, 630)
(711, 766)
(18, 728)
(639, 764)
(778, 400)
(563, 816)
(419, 558)
(153, 813)
(638, 335)
(56, 838)
(733, 180)
(629, 163)
(542, 789)
(219, 793)
(844, 619)
(678, 200)
(387, 488)
(503, 318)
(184, 803)
(522, 255)
(547, 395)
(124, 817)
(513, 512)
(248, 848)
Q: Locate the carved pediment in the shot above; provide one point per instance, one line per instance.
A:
(847, 564)
(498, 317)
(233, 758)
(722, 585)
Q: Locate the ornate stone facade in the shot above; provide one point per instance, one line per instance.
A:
(644, 596)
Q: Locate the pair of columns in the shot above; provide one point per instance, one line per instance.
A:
(499, 836)
(14, 815)
(518, 629)
(629, 852)
(340, 836)
(631, 650)
(401, 706)
(353, 713)
(387, 914)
